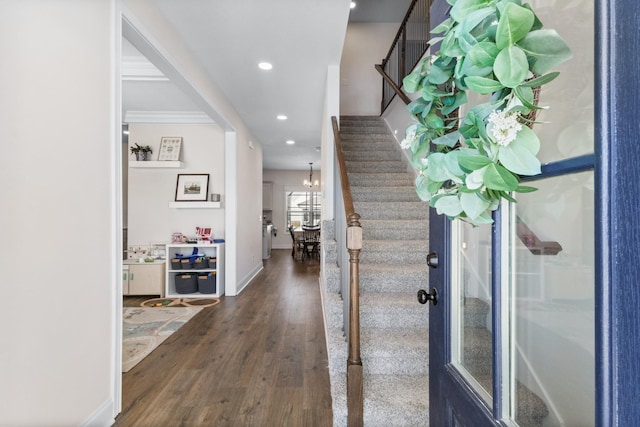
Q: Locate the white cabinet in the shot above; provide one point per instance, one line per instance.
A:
(185, 279)
(267, 196)
(143, 278)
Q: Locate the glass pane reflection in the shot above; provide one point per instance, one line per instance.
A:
(553, 303)
(474, 304)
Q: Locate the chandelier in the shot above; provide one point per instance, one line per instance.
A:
(310, 183)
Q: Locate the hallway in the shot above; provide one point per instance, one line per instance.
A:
(258, 359)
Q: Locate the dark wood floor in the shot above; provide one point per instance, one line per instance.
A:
(258, 359)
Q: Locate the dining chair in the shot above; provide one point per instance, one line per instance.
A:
(297, 250)
(311, 241)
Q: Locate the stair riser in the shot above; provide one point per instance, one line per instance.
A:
(390, 365)
(401, 210)
(392, 285)
(364, 130)
(384, 194)
(382, 233)
(376, 167)
(395, 258)
(364, 179)
(370, 155)
(383, 319)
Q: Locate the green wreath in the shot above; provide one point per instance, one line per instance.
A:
(468, 164)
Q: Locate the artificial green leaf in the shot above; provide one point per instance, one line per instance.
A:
(434, 121)
(539, 81)
(438, 75)
(449, 139)
(497, 177)
(448, 205)
(473, 19)
(526, 96)
(453, 165)
(463, 8)
(459, 99)
(411, 82)
(483, 54)
(515, 22)
(473, 162)
(525, 189)
(473, 205)
(437, 170)
(443, 27)
(537, 24)
(475, 179)
(519, 161)
(506, 195)
(546, 50)
(417, 106)
(511, 66)
(422, 188)
(482, 85)
(485, 218)
(450, 46)
(471, 69)
(528, 140)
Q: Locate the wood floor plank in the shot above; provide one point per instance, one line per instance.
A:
(258, 359)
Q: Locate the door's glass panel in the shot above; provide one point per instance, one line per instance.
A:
(552, 275)
(472, 351)
(567, 128)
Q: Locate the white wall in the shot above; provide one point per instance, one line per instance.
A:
(366, 44)
(243, 165)
(60, 151)
(284, 180)
(151, 220)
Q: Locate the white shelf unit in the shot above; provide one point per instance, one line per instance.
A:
(155, 164)
(195, 205)
(215, 250)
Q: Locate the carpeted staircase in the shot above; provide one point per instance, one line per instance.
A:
(394, 327)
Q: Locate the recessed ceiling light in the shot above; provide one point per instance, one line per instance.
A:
(282, 117)
(291, 142)
(265, 66)
(352, 5)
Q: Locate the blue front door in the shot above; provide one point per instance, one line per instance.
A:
(537, 318)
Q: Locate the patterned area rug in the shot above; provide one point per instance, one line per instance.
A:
(145, 328)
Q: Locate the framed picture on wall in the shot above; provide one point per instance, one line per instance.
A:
(169, 148)
(192, 187)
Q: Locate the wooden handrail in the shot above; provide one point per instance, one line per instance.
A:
(400, 31)
(393, 85)
(355, 390)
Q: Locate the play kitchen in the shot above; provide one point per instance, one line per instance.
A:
(188, 267)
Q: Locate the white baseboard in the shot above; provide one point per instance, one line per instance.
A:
(103, 416)
(247, 279)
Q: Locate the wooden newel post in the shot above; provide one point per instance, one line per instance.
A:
(355, 396)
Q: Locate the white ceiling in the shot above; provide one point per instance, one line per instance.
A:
(301, 38)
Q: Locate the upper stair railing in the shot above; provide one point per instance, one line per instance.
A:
(409, 45)
(355, 393)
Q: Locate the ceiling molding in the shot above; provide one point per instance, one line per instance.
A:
(140, 69)
(180, 117)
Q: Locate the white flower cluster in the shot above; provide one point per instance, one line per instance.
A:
(410, 136)
(503, 127)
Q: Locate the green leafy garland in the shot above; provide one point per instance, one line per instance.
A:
(491, 47)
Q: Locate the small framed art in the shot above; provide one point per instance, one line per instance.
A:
(192, 187)
(169, 148)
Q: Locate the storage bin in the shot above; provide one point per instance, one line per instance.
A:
(186, 283)
(176, 264)
(201, 263)
(185, 264)
(212, 263)
(207, 283)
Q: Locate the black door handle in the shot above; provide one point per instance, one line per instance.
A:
(424, 296)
